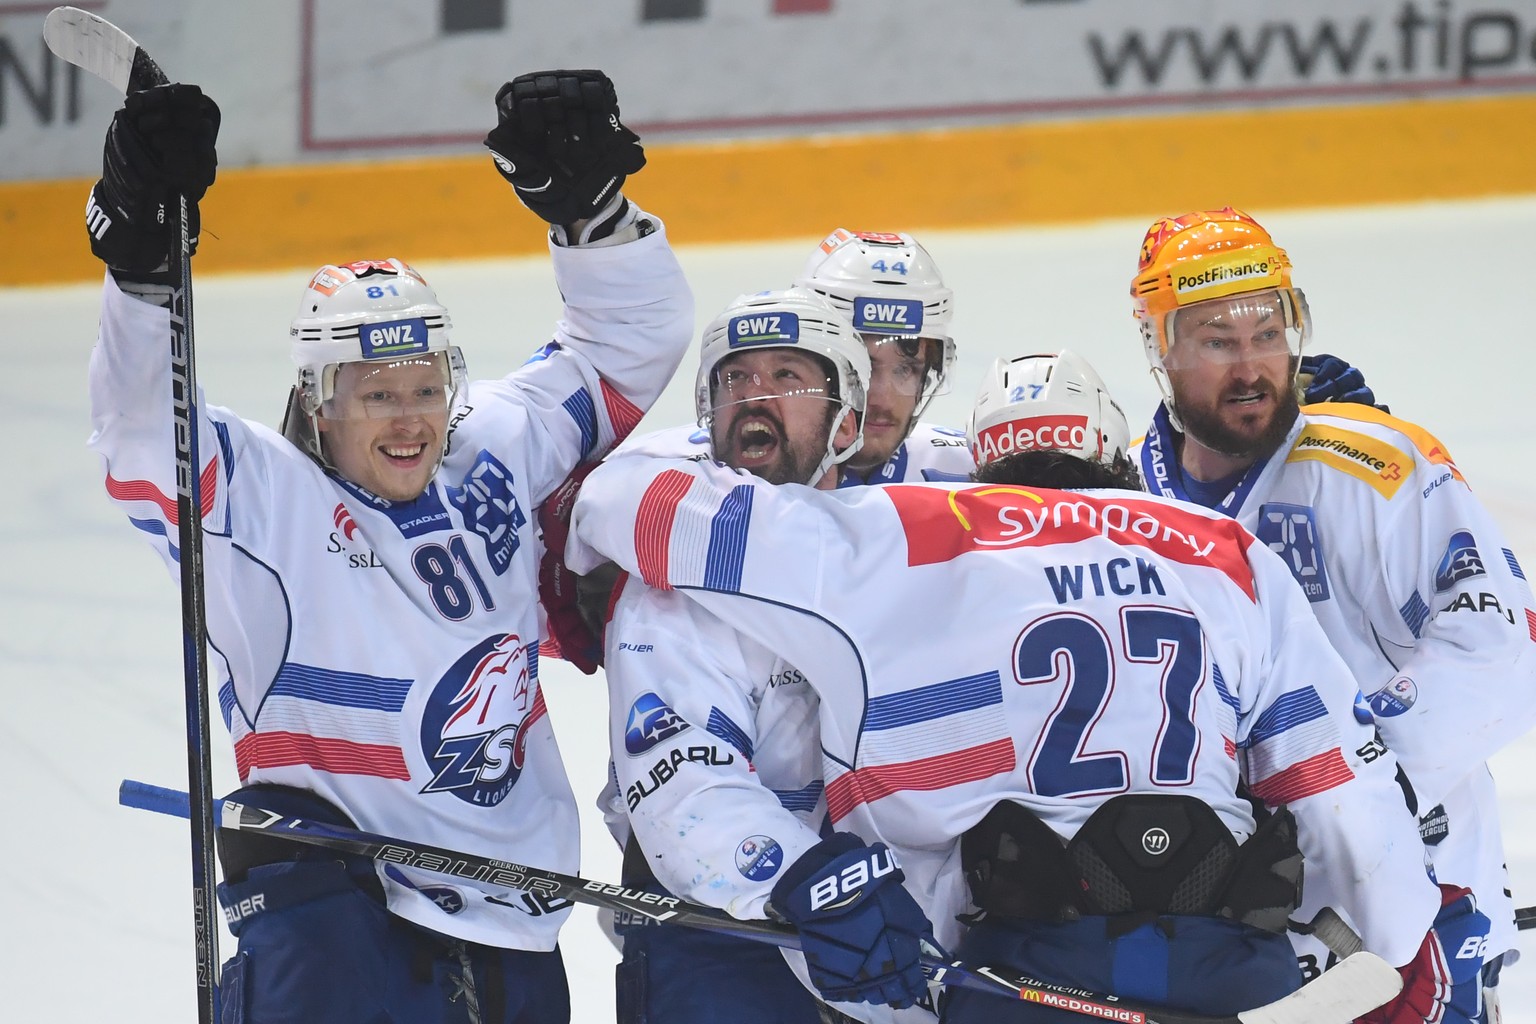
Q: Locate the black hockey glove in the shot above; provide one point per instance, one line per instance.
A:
(560, 143)
(160, 144)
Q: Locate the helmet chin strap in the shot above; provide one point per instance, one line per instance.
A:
(1165, 387)
(832, 457)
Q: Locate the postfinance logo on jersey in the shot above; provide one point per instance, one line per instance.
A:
(941, 525)
(1382, 465)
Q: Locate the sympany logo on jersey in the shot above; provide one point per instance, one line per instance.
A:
(1460, 562)
(474, 729)
(490, 508)
(650, 721)
(759, 857)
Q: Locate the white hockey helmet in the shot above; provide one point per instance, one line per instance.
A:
(789, 318)
(887, 284)
(1042, 402)
(379, 311)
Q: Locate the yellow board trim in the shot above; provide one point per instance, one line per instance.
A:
(1382, 465)
(997, 176)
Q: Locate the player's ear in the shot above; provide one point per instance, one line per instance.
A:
(846, 431)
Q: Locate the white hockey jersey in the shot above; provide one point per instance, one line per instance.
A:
(928, 453)
(383, 654)
(1075, 646)
(1420, 593)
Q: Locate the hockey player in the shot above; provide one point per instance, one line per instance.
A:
(890, 288)
(780, 390)
(371, 569)
(1068, 730)
(1409, 576)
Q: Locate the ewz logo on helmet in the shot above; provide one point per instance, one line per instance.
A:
(393, 338)
(893, 315)
(765, 329)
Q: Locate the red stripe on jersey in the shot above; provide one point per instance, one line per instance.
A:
(622, 413)
(550, 648)
(1316, 774)
(328, 754)
(1229, 747)
(871, 782)
(942, 525)
(143, 490)
(653, 525)
(1530, 624)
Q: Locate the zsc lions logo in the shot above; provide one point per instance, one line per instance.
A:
(1460, 562)
(474, 730)
(650, 721)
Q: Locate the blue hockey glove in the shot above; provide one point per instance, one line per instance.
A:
(1330, 379)
(860, 930)
(1441, 983)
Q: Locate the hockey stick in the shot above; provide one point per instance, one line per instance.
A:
(1356, 985)
(1525, 918)
(109, 53)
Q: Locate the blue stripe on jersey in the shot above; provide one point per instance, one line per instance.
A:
(728, 540)
(1514, 566)
(1414, 611)
(1292, 709)
(800, 799)
(720, 724)
(227, 703)
(158, 528)
(532, 653)
(581, 409)
(1227, 697)
(346, 689)
(935, 701)
(226, 449)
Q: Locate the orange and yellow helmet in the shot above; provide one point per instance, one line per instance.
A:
(1208, 254)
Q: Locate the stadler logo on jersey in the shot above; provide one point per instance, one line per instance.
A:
(759, 857)
(1460, 562)
(393, 338)
(474, 730)
(767, 328)
(650, 721)
(888, 316)
(1063, 433)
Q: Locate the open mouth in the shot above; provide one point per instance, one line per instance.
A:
(756, 439)
(1250, 400)
(403, 454)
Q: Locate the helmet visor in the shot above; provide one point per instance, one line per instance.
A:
(902, 364)
(1237, 328)
(419, 386)
(772, 373)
